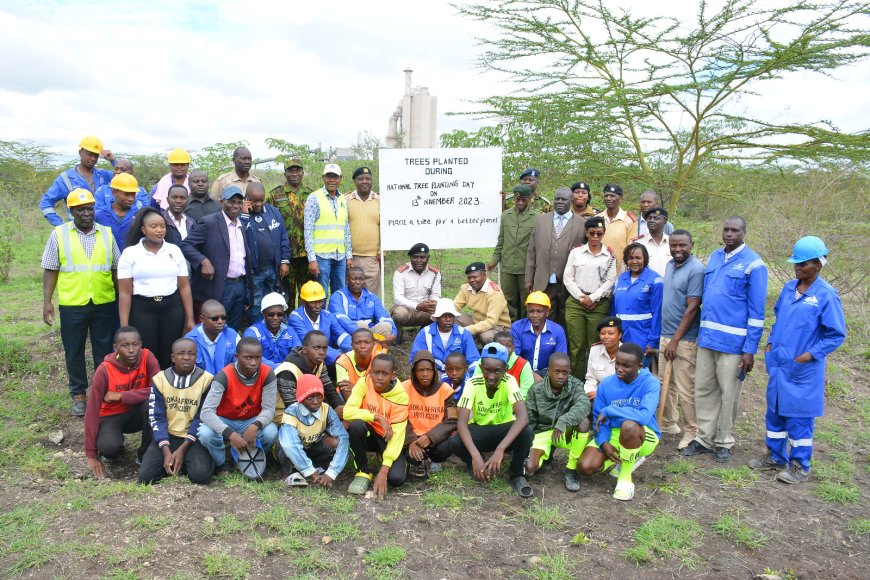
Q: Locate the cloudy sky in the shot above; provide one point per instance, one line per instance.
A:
(147, 76)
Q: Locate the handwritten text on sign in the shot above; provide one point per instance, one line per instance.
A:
(446, 198)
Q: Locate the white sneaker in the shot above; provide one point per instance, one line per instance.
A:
(624, 491)
(615, 471)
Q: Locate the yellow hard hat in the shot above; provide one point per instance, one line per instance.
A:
(312, 291)
(125, 182)
(539, 298)
(79, 196)
(92, 144)
(178, 155)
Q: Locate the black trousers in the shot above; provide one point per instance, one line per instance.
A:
(198, 465)
(487, 437)
(558, 297)
(159, 324)
(319, 454)
(110, 439)
(364, 439)
(76, 322)
(437, 453)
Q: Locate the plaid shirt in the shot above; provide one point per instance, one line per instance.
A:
(51, 254)
(292, 207)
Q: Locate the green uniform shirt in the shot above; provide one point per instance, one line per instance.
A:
(513, 239)
(495, 411)
(292, 207)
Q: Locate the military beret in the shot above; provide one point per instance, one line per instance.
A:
(523, 191)
(657, 211)
(595, 222)
(418, 249)
(361, 171)
(609, 321)
(613, 188)
(475, 267)
(530, 172)
(581, 185)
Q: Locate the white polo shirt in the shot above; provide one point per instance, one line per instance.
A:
(152, 274)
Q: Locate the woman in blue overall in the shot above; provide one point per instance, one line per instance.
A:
(637, 301)
(809, 326)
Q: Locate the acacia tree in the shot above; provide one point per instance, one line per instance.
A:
(656, 98)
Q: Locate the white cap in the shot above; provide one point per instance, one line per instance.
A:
(332, 168)
(444, 306)
(273, 299)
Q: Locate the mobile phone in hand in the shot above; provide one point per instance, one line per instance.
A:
(741, 374)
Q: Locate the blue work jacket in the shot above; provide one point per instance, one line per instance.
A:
(278, 232)
(224, 350)
(119, 227)
(638, 304)
(65, 183)
(812, 323)
(732, 307)
(275, 347)
(329, 325)
(552, 340)
(105, 198)
(460, 341)
(349, 310)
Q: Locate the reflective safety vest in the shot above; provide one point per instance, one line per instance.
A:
(309, 434)
(81, 280)
(329, 228)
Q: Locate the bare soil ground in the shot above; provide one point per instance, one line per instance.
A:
(727, 522)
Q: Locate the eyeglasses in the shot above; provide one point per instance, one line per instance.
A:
(218, 317)
(594, 234)
(274, 315)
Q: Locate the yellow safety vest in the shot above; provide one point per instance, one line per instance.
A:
(181, 404)
(81, 280)
(329, 228)
(309, 433)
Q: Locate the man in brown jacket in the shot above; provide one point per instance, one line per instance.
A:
(553, 237)
(489, 309)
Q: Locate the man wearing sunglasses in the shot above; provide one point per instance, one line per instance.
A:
(215, 341)
(273, 333)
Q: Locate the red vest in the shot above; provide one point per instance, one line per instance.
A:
(240, 401)
(518, 367)
(121, 382)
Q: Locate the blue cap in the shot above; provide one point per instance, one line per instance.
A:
(231, 191)
(496, 351)
(530, 172)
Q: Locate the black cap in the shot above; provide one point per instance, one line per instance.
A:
(657, 211)
(360, 171)
(475, 267)
(613, 188)
(418, 249)
(595, 222)
(609, 321)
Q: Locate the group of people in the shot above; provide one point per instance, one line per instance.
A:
(566, 352)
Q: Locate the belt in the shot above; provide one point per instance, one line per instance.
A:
(155, 298)
(236, 279)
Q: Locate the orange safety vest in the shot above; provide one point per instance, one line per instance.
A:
(425, 413)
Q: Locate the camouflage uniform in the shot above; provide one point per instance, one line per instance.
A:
(291, 204)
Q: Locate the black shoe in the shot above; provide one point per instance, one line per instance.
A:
(765, 463)
(572, 480)
(723, 455)
(794, 473)
(693, 448)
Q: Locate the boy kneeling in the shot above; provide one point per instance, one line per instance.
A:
(626, 431)
(173, 413)
(492, 417)
(431, 415)
(557, 408)
(312, 437)
(117, 400)
(378, 414)
(240, 405)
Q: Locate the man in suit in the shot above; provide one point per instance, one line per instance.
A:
(220, 257)
(553, 237)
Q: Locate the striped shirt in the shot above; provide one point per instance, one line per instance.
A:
(51, 254)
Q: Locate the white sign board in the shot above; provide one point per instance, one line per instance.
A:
(446, 198)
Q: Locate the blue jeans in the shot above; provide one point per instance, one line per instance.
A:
(216, 446)
(233, 299)
(264, 283)
(332, 275)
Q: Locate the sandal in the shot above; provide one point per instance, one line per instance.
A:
(360, 484)
(296, 479)
(522, 487)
